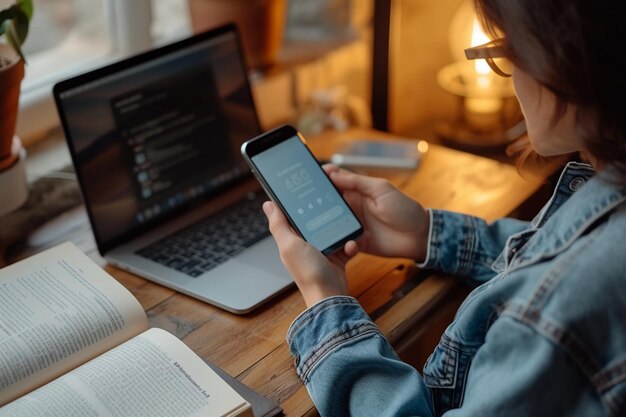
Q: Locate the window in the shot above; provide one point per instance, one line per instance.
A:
(64, 35)
(170, 20)
(68, 37)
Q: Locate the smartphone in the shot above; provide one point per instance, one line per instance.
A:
(293, 178)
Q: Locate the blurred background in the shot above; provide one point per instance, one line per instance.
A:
(396, 65)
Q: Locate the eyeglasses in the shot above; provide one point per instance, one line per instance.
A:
(490, 52)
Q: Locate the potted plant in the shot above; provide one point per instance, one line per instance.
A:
(14, 21)
(261, 23)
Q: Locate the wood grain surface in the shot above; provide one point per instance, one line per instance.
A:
(409, 307)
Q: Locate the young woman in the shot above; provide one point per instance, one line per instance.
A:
(544, 332)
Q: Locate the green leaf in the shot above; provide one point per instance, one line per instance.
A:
(14, 23)
(26, 6)
(20, 22)
(5, 17)
(12, 39)
(4, 26)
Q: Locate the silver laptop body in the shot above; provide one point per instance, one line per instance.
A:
(155, 143)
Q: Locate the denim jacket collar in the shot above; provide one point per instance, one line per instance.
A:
(579, 200)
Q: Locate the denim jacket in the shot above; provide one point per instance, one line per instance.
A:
(542, 334)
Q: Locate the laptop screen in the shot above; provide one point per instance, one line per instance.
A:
(150, 134)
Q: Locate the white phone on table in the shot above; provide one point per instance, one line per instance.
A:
(379, 154)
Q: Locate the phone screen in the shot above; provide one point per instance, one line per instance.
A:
(306, 194)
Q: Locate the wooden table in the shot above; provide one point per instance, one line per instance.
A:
(410, 310)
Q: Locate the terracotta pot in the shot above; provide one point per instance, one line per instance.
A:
(10, 79)
(261, 24)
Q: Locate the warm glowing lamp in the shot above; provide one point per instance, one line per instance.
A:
(488, 108)
(484, 101)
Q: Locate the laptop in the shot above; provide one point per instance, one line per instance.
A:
(155, 144)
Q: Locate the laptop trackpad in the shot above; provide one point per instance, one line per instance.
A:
(246, 280)
(263, 256)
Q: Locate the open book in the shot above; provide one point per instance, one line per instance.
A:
(73, 341)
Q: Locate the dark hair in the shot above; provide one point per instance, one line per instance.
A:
(576, 49)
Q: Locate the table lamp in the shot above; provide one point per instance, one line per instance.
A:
(488, 114)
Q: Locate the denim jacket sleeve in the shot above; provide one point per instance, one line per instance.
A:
(466, 246)
(350, 369)
(348, 366)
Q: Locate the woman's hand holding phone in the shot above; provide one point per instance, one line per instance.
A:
(394, 226)
(316, 275)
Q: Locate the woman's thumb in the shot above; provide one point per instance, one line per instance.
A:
(279, 226)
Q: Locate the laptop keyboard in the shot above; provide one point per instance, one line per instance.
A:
(213, 240)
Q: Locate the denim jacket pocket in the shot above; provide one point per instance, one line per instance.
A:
(445, 373)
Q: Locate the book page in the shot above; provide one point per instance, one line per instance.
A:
(153, 374)
(58, 309)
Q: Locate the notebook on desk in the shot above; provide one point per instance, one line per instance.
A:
(155, 143)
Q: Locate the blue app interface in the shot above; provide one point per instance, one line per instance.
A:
(314, 205)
